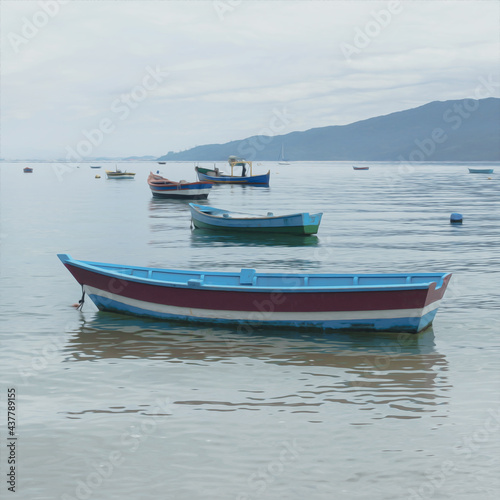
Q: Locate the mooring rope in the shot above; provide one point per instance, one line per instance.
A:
(81, 301)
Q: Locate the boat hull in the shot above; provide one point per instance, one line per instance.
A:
(262, 180)
(165, 188)
(247, 298)
(119, 175)
(182, 195)
(301, 224)
(192, 191)
(480, 170)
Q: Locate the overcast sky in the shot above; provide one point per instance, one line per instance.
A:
(122, 78)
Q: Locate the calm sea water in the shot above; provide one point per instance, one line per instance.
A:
(112, 407)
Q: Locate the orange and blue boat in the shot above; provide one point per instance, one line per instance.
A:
(165, 188)
(350, 302)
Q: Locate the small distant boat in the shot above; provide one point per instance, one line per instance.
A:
(165, 188)
(351, 302)
(162, 162)
(360, 168)
(216, 176)
(281, 159)
(119, 174)
(480, 170)
(205, 217)
(27, 170)
(95, 166)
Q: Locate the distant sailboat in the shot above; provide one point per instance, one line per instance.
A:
(281, 159)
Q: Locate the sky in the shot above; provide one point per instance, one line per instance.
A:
(82, 79)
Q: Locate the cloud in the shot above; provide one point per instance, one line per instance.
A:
(226, 73)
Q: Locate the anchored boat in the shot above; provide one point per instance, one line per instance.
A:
(480, 170)
(371, 302)
(165, 188)
(206, 217)
(216, 176)
(119, 174)
(281, 159)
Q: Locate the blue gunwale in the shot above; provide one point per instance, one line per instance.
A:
(204, 216)
(244, 280)
(220, 211)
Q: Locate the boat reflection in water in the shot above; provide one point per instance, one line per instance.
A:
(392, 375)
(206, 237)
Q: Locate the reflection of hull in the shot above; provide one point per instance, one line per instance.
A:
(406, 303)
(203, 237)
(108, 336)
(394, 375)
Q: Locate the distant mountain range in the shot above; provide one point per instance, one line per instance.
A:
(461, 130)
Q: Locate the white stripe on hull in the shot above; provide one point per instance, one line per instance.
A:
(181, 192)
(265, 315)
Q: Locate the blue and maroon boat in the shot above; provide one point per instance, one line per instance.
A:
(363, 302)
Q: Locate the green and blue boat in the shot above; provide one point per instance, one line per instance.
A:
(205, 217)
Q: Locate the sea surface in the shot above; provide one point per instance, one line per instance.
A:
(112, 407)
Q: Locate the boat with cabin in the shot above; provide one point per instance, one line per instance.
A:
(216, 176)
